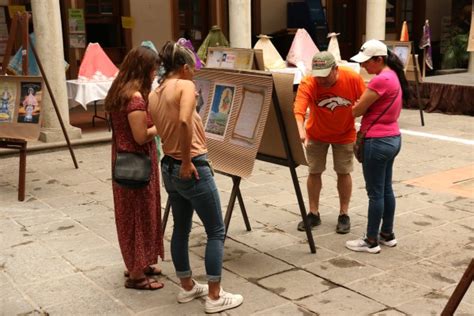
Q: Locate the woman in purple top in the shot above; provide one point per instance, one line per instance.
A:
(380, 107)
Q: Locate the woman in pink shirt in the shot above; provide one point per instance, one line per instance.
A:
(380, 107)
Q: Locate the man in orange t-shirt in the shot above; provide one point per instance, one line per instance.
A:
(329, 92)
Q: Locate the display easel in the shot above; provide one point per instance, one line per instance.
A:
(288, 156)
(20, 23)
(406, 53)
(460, 290)
(417, 89)
(287, 161)
(235, 193)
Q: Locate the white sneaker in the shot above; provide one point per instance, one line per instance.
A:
(226, 301)
(198, 290)
(363, 244)
(388, 241)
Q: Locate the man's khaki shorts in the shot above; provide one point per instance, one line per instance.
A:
(343, 157)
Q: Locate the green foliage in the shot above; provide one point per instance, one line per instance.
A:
(456, 55)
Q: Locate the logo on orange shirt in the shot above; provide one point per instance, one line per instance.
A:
(333, 102)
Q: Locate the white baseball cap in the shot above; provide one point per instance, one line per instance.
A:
(370, 49)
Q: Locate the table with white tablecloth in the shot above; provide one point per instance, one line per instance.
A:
(84, 92)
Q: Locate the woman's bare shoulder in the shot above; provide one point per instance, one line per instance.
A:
(137, 94)
(153, 96)
(184, 84)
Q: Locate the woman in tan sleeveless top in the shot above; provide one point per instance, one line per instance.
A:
(188, 177)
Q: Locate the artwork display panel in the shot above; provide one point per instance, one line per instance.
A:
(402, 50)
(20, 107)
(271, 144)
(230, 58)
(234, 115)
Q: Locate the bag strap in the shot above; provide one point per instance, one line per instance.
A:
(383, 112)
(113, 132)
(114, 140)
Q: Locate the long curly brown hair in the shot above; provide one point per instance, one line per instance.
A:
(134, 75)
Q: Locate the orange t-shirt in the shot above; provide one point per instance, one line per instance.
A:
(330, 109)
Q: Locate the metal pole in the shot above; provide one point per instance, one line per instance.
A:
(56, 109)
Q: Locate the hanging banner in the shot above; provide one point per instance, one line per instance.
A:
(76, 21)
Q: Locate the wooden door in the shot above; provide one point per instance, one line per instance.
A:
(192, 20)
(344, 20)
(103, 26)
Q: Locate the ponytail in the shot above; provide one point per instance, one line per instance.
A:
(172, 57)
(392, 61)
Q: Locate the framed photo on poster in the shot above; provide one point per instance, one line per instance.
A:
(20, 106)
(230, 58)
(221, 107)
(402, 50)
(202, 90)
(250, 110)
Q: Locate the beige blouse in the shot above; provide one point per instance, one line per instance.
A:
(165, 113)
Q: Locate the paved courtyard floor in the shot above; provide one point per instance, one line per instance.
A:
(59, 253)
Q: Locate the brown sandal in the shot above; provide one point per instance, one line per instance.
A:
(149, 271)
(143, 284)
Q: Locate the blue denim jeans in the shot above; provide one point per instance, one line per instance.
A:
(185, 197)
(379, 155)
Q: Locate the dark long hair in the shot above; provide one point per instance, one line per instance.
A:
(134, 75)
(392, 61)
(172, 56)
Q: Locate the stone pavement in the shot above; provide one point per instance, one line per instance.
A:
(59, 253)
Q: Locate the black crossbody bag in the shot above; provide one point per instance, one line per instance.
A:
(132, 170)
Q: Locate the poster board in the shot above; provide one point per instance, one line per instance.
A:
(230, 58)
(402, 50)
(20, 106)
(233, 107)
(272, 144)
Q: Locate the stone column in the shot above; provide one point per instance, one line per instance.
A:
(240, 26)
(375, 20)
(49, 46)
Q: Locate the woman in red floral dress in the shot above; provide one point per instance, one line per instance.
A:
(137, 211)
